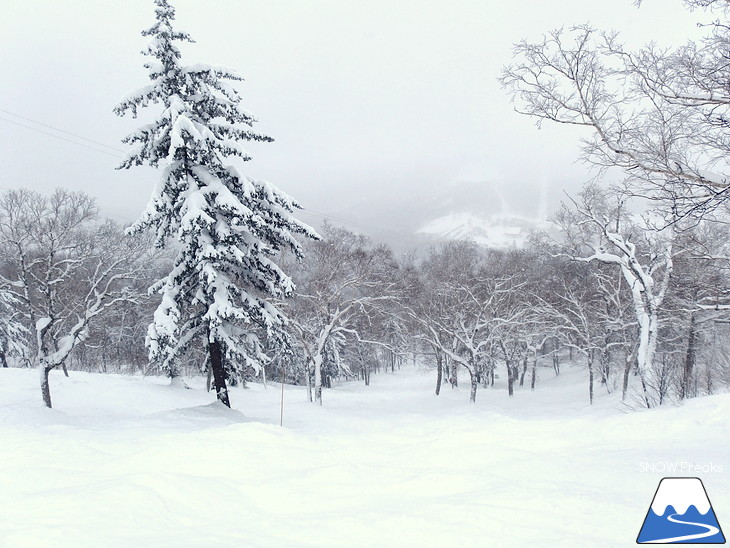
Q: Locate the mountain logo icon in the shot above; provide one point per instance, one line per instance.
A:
(680, 513)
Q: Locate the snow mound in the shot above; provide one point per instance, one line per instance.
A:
(211, 414)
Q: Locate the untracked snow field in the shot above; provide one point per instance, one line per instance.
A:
(133, 462)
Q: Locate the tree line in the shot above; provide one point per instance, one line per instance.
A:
(75, 296)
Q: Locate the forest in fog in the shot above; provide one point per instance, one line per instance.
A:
(76, 296)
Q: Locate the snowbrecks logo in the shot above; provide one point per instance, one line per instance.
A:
(680, 513)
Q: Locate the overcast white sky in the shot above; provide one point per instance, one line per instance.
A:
(373, 104)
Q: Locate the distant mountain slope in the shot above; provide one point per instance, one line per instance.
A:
(501, 231)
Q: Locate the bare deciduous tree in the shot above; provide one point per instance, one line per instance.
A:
(64, 268)
(660, 115)
(343, 284)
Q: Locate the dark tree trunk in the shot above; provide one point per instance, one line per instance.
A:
(3, 359)
(439, 371)
(65, 371)
(473, 392)
(366, 375)
(590, 378)
(219, 374)
(510, 380)
(45, 387)
(454, 375)
(524, 371)
(556, 363)
(646, 394)
(533, 377)
(605, 363)
(686, 389)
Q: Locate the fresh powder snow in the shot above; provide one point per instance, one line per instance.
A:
(132, 461)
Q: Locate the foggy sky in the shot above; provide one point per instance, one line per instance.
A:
(381, 110)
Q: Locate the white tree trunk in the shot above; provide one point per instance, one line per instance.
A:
(647, 295)
(308, 374)
(648, 332)
(318, 379)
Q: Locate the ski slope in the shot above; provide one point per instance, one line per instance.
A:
(710, 530)
(132, 461)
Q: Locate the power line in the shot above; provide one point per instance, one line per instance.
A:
(61, 137)
(77, 136)
(59, 130)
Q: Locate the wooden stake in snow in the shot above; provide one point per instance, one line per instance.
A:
(281, 413)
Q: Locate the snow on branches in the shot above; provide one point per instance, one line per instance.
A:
(227, 227)
(659, 115)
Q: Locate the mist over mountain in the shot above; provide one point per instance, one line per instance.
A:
(491, 213)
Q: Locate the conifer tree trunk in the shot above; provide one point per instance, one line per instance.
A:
(439, 371)
(219, 374)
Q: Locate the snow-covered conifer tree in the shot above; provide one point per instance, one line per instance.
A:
(227, 227)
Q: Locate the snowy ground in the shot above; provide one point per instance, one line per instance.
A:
(131, 462)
